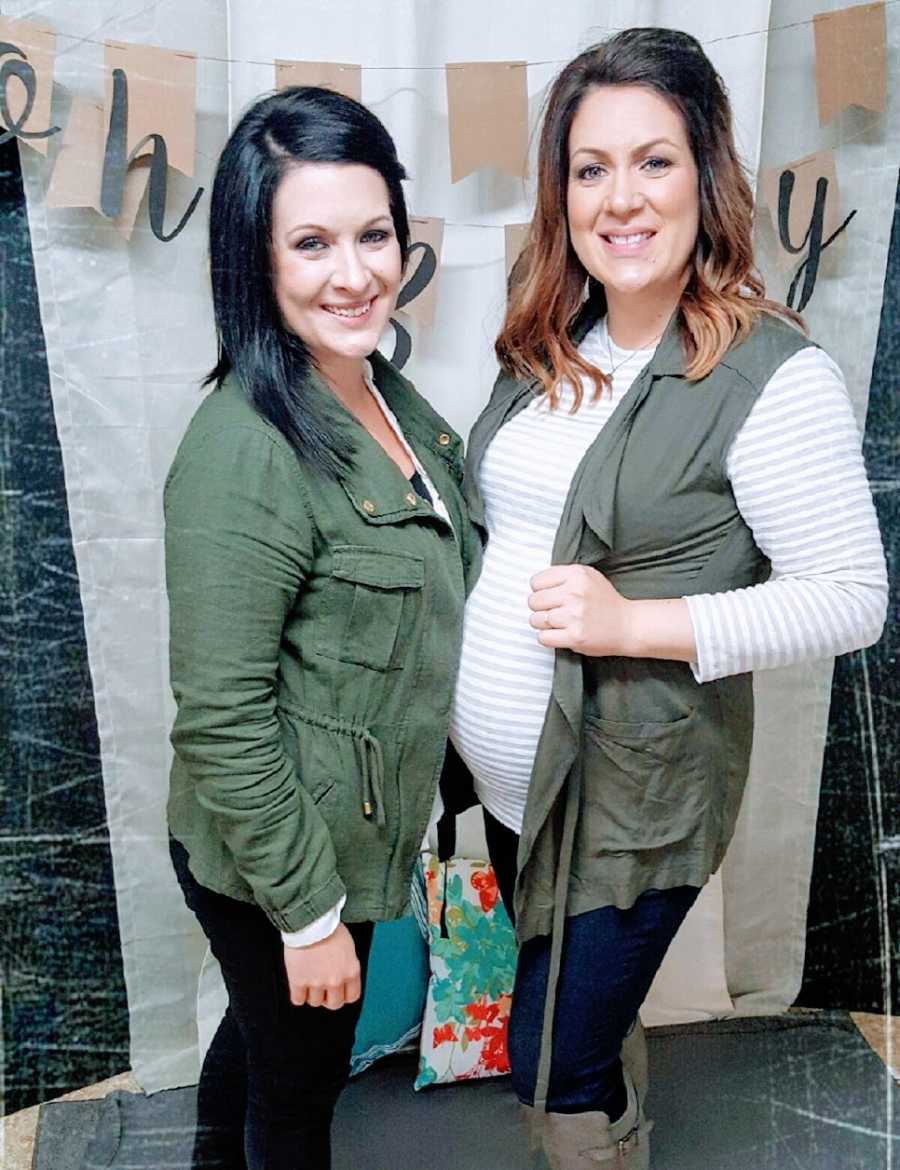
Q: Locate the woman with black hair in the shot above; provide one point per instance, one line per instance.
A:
(317, 551)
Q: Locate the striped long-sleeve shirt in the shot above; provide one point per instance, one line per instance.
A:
(797, 474)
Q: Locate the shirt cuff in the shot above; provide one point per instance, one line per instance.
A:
(701, 667)
(317, 930)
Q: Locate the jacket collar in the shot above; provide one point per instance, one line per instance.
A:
(376, 487)
(417, 419)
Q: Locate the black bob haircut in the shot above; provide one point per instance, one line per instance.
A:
(296, 125)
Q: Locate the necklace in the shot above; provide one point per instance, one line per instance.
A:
(628, 356)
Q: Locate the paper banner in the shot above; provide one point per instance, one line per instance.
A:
(851, 59)
(515, 235)
(487, 103)
(78, 171)
(162, 86)
(136, 180)
(813, 198)
(346, 79)
(34, 81)
(418, 296)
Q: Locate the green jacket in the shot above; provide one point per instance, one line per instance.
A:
(639, 769)
(315, 628)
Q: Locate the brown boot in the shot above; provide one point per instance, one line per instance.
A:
(583, 1141)
(634, 1058)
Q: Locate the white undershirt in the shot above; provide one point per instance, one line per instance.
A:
(796, 471)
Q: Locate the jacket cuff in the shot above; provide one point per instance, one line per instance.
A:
(318, 930)
(307, 910)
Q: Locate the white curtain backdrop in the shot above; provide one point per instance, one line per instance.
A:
(129, 335)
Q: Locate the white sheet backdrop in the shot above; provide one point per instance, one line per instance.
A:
(129, 335)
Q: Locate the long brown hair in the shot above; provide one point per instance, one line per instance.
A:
(724, 294)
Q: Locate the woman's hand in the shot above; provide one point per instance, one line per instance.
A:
(326, 973)
(576, 608)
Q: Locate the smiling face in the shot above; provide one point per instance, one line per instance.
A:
(632, 195)
(336, 261)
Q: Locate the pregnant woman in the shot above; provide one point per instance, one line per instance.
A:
(669, 482)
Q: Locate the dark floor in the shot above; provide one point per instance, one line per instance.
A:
(793, 1093)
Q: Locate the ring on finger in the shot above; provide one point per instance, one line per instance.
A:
(546, 619)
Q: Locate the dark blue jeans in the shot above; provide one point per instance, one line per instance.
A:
(609, 960)
(273, 1073)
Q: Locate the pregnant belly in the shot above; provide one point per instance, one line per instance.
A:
(504, 684)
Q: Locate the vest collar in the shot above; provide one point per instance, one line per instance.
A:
(668, 358)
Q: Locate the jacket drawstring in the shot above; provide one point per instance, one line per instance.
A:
(560, 895)
(371, 767)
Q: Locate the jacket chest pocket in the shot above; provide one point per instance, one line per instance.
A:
(373, 598)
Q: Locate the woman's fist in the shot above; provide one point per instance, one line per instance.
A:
(326, 973)
(575, 608)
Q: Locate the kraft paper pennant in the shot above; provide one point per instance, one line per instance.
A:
(487, 103)
(515, 236)
(33, 65)
(162, 86)
(78, 170)
(136, 180)
(851, 59)
(812, 203)
(346, 79)
(418, 297)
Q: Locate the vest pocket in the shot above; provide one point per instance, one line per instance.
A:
(646, 785)
(377, 595)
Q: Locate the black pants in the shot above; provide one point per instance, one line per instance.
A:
(609, 960)
(273, 1072)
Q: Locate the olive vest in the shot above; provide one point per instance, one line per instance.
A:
(640, 770)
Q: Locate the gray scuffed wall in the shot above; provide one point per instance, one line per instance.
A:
(65, 1015)
(853, 926)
